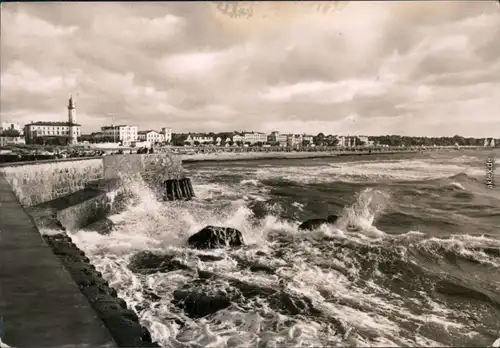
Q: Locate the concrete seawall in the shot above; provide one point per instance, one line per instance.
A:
(34, 183)
(50, 296)
(40, 304)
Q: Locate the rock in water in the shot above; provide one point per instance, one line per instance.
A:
(146, 262)
(212, 237)
(198, 305)
(313, 224)
(331, 219)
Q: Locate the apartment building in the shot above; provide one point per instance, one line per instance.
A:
(277, 137)
(35, 130)
(151, 136)
(308, 138)
(120, 133)
(255, 137)
(365, 140)
(167, 134)
(346, 141)
(238, 138)
(294, 140)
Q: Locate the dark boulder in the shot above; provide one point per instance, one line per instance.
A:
(197, 304)
(212, 237)
(146, 262)
(210, 258)
(313, 224)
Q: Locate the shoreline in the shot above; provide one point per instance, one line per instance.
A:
(248, 156)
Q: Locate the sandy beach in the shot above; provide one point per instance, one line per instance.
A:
(244, 156)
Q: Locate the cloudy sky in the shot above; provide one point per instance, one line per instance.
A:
(422, 68)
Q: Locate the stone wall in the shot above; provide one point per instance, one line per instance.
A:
(164, 165)
(34, 183)
(37, 183)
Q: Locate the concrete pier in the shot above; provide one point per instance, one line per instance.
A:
(40, 303)
(50, 294)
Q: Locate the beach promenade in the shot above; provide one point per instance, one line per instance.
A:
(40, 304)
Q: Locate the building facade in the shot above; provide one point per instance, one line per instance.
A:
(308, 138)
(120, 133)
(238, 138)
(294, 140)
(200, 138)
(278, 138)
(346, 141)
(54, 129)
(167, 134)
(151, 136)
(35, 130)
(255, 137)
(365, 141)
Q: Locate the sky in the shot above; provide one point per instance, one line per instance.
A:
(351, 68)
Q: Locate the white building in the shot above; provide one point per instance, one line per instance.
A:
(200, 138)
(308, 138)
(167, 134)
(346, 141)
(35, 130)
(254, 137)
(365, 140)
(279, 138)
(51, 129)
(151, 136)
(294, 140)
(238, 137)
(120, 133)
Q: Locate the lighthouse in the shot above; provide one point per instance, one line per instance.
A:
(72, 121)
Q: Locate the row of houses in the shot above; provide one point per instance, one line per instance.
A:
(275, 138)
(128, 135)
(248, 138)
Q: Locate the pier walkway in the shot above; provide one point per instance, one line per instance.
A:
(40, 304)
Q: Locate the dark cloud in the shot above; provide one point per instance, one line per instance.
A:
(395, 67)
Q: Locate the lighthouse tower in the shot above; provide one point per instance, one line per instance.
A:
(72, 120)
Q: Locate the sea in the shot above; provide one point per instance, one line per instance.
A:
(413, 260)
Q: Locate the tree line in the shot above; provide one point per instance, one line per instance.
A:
(398, 140)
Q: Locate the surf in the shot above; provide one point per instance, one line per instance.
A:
(295, 264)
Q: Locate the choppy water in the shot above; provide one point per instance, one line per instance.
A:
(422, 269)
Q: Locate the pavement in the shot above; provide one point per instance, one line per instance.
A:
(40, 304)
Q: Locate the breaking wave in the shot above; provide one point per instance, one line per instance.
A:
(387, 273)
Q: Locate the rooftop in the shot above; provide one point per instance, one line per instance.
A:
(50, 123)
(117, 126)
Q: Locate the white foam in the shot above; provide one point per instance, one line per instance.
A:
(253, 182)
(373, 171)
(457, 185)
(370, 314)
